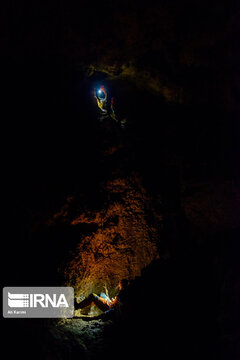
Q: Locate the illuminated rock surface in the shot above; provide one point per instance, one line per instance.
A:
(124, 243)
(103, 203)
(116, 241)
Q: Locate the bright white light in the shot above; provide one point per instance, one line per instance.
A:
(99, 91)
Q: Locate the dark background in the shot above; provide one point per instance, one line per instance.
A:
(51, 140)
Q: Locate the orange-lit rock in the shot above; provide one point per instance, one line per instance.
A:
(124, 241)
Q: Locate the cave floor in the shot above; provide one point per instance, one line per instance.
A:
(90, 338)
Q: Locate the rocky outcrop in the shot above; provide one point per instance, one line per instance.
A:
(119, 240)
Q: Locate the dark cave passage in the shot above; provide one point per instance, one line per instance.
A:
(84, 168)
(151, 195)
(167, 145)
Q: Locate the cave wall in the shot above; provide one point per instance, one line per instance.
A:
(115, 241)
(185, 51)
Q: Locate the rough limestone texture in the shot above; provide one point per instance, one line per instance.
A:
(122, 240)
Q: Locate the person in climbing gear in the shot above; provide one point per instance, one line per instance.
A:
(103, 302)
(101, 98)
(107, 107)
